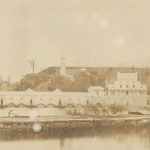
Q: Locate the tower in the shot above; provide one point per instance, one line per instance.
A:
(62, 64)
(32, 63)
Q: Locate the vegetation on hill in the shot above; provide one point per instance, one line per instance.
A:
(76, 80)
(50, 81)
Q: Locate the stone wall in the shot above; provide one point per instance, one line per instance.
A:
(69, 98)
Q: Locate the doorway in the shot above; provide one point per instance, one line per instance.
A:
(127, 92)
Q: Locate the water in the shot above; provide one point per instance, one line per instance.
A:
(100, 139)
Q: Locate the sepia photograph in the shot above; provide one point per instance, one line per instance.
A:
(74, 74)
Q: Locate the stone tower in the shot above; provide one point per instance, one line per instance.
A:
(63, 64)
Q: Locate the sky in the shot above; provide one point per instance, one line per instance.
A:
(89, 32)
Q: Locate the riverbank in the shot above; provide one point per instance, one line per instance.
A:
(39, 124)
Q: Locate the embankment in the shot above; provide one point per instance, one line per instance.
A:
(49, 124)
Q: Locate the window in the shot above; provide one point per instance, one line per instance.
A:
(1, 101)
(120, 86)
(60, 102)
(133, 86)
(127, 86)
(30, 101)
(87, 102)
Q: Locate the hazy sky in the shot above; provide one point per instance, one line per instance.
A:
(90, 32)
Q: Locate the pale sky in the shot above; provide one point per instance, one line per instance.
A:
(90, 32)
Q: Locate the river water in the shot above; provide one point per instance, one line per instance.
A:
(93, 139)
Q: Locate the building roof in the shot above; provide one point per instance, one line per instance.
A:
(83, 69)
(96, 87)
(29, 90)
(35, 93)
(127, 76)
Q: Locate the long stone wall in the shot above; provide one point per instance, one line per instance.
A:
(46, 99)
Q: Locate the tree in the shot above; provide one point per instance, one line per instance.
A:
(29, 81)
(116, 108)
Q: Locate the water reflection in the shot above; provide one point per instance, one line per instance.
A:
(117, 139)
(62, 143)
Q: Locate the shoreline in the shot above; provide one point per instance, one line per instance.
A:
(25, 124)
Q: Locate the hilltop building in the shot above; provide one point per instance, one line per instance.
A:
(127, 84)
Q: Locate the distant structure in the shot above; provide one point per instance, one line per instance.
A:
(83, 70)
(127, 84)
(63, 64)
(1, 79)
(9, 79)
(32, 64)
(5, 86)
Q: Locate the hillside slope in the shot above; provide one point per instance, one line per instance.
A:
(75, 80)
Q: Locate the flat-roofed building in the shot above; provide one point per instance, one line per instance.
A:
(96, 91)
(127, 84)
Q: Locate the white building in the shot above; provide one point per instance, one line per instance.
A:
(83, 69)
(127, 84)
(96, 91)
(95, 95)
(29, 97)
(46, 99)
